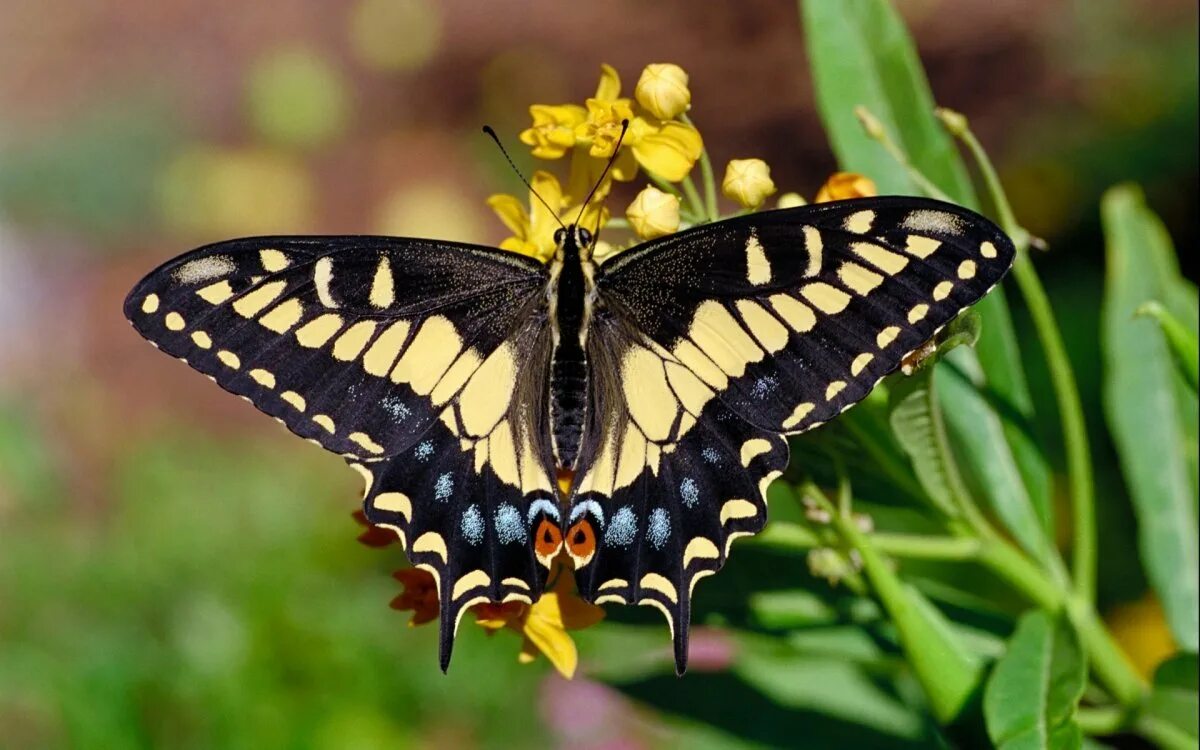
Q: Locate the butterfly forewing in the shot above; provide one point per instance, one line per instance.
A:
(792, 316)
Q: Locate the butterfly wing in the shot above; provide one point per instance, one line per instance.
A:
(668, 477)
(793, 316)
(709, 344)
(413, 359)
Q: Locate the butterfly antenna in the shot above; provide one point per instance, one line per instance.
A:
(492, 134)
(608, 166)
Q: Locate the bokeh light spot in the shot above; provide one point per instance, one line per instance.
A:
(395, 35)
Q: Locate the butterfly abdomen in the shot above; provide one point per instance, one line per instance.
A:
(568, 398)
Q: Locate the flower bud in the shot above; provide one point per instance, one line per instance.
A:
(663, 90)
(653, 213)
(747, 181)
(843, 185)
(790, 200)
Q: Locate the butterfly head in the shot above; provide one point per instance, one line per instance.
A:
(573, 239)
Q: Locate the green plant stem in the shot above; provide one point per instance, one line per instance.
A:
(664, 186)
(1066, 391)
(794, 536)
(706, 174)
(1109, 663)
(1101, 720)
(693, 196)
(1163, 734)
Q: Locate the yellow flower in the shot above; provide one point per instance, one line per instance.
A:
(544, 624)
(790, 200)
(747, 181)
(663, 90)
(533, 229)
(553, 130)
(653, 213)
(842, 185)
(667, 148)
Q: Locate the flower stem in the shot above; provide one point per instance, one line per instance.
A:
(1066, 391)
(693, 196)
(706, 174)
(663, 185)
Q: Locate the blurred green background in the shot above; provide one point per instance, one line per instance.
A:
(177, 571)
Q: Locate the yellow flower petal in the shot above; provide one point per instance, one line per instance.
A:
(553, 130)
(512, 212)
(669, 152)
(747, 181)
(609, 87)
(663, 90)
(653, 213)
(604, 124)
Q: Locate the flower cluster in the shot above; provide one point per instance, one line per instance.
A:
(661, 143)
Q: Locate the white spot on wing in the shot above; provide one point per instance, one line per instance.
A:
(472, 525)
(204, 269)
(444, 487)
(509, 527)
(688, 491)
(658, 530)
(623, 529)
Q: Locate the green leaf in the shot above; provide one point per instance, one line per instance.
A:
(861, 55)
(1174, 698)
(916, 420)
(1184, 345)
(995, 476)
(1033, 693)
(1153, 422)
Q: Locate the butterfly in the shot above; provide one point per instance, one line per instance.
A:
(459, 380)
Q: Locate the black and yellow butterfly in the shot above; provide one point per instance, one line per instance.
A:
(458, 379)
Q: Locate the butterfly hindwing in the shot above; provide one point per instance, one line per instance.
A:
(792, 316)
(669, 477)
(468, 501)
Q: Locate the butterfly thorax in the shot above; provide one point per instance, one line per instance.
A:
(570, 282)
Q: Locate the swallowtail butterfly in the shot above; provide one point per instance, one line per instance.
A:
(458, 380)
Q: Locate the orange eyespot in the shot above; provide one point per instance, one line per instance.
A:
(581, 541)
(548, 539)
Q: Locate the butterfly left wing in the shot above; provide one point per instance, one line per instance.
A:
(419, 361)
(668, 477)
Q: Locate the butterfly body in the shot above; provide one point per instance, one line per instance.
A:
(570, 294)
(458, 379)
